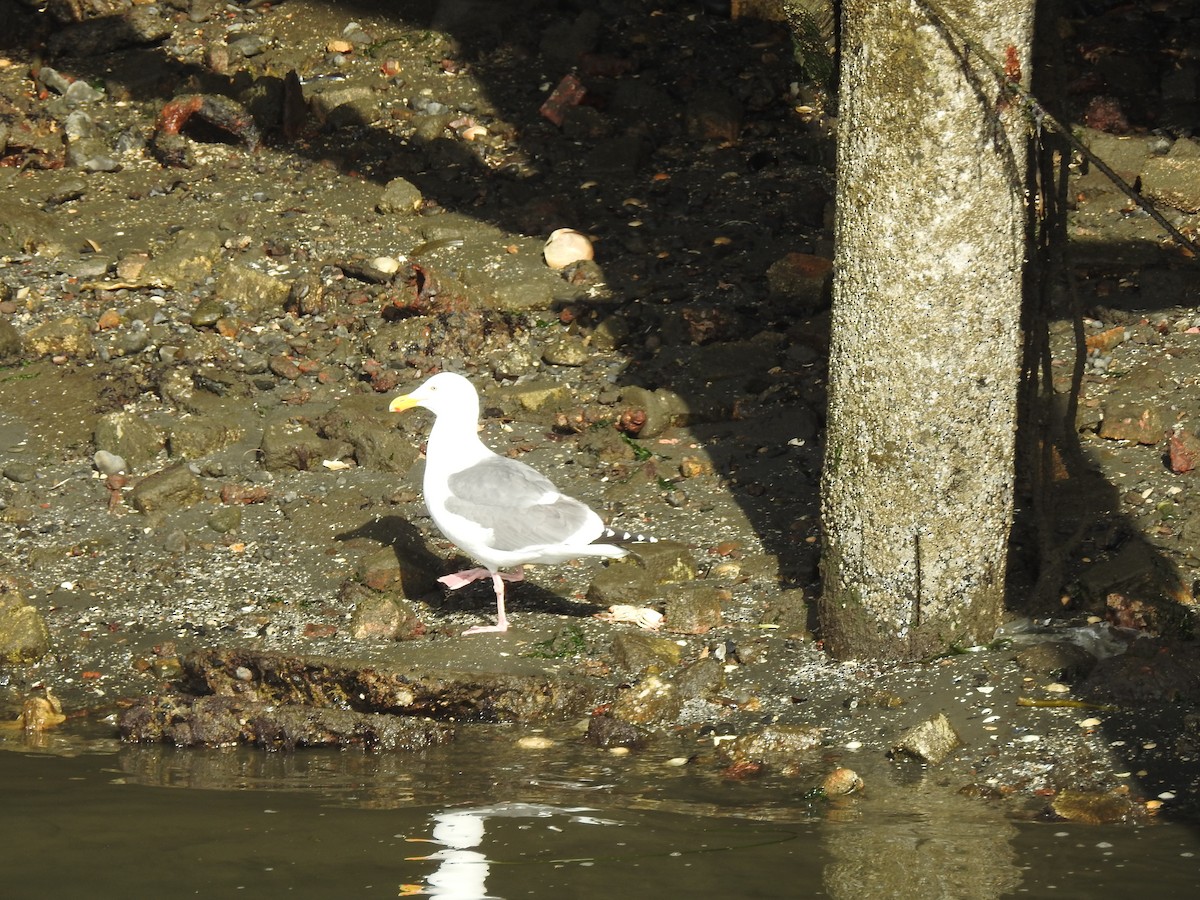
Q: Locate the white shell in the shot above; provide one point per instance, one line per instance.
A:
(388, 265)
(566, 246)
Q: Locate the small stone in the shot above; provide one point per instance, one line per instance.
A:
(127, 436)
(650, 700)
(284, 367)
(637, 652)
(695, 466)
(702, 678)
(375, 617)
(804, 279)
(399, 196)
(207, 312)
(692, 607)
(66, 336)
(1173, 179)
(226, 519)
(539, 396)
(653, 412)
(663, 561)
(610, 334)
(253, 292)
(714, 115)
(608, 732)
(785, 748)
(841, 781)
(20, 472)
(294, 445)
(108, 463)
(1183, 452)
(10, 341)
(1062, 660)
(566, 352)
(930, 742)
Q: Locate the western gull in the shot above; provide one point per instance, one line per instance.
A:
(499, 511)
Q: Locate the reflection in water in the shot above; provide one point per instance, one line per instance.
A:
(919, 841)
(462, 870)
(319, 825)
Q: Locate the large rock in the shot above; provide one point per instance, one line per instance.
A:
(129, 436)
(186, 262)
(787, 749)
(173, 487)
(255, 293)
(24, 637)
(364, 422)
(650, 700)
(291, 445)
(26, 229)
(10, 342)
(69, 336)
(1174, 179)
(194, 438)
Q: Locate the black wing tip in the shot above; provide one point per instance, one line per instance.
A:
(626, 537)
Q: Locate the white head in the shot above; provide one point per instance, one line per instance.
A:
(444, 392)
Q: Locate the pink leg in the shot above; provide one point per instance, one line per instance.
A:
(462, 579)
(498, 580)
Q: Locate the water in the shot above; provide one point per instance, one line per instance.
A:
(468, 822)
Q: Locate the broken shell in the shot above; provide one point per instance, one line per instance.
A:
(566, 246)
(642, 616)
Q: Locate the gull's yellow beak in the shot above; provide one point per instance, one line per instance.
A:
(403, 402)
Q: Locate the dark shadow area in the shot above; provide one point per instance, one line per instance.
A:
(1101, 532)
(418, 567)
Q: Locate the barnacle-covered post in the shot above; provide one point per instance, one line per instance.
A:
(918, 480)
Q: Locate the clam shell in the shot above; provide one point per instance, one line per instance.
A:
(566, 246)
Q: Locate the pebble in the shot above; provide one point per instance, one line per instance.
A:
(566, 352)
(841, 781)
(108, 463)
(20, 472)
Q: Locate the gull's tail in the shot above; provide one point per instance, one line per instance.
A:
(621, 538)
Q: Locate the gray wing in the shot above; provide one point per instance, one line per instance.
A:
(509, 498)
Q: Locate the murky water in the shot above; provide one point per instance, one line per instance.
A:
(458, 822)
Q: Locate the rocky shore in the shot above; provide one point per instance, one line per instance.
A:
(232, 232)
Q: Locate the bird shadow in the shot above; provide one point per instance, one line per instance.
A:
(419, 568)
